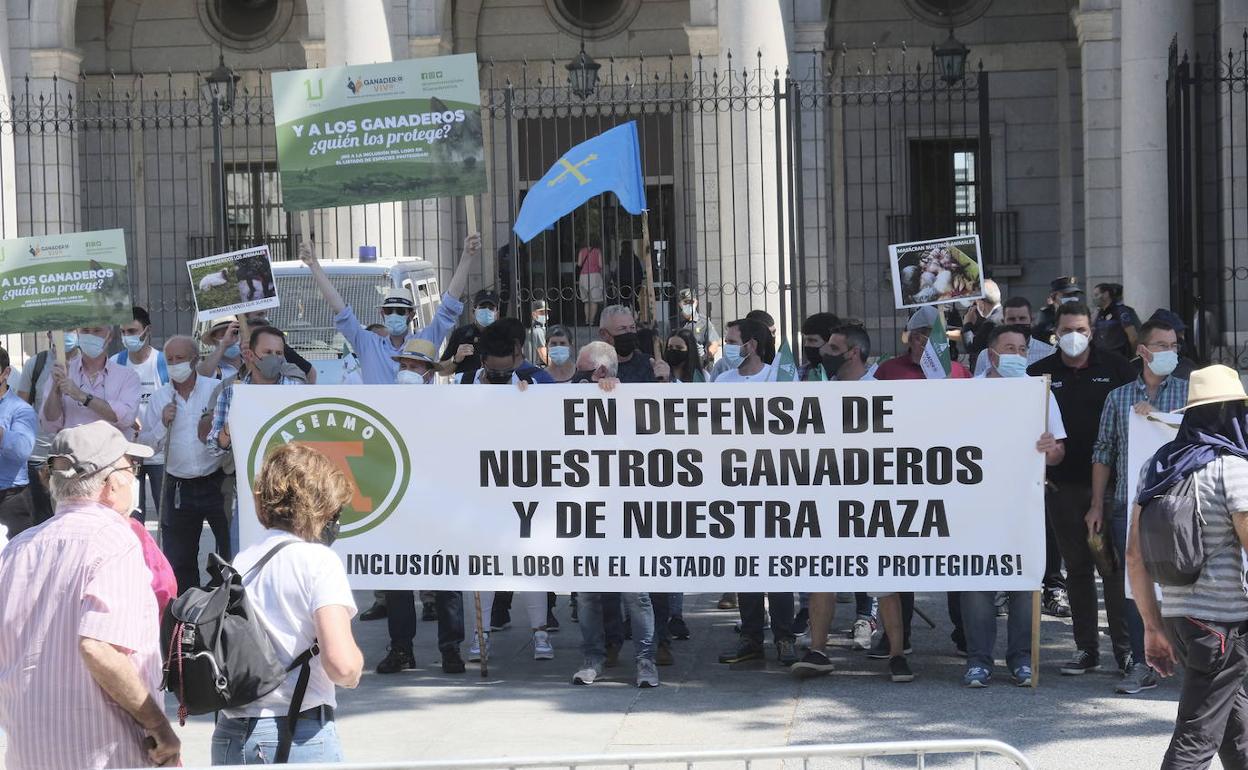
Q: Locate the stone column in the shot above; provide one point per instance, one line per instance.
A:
(1147, 28)
(48, 199)
(1095, 25)
(357, 32)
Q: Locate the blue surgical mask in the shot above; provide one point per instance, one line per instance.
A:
(559, 354)
(132, 343)
(1011, 365)
(1164, 363)
(92, 346)
(233, 351)
(732, 354)
(484, 316)
(395, 324)
(71, 341)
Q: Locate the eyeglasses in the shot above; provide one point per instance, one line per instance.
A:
(1162, 347)
(394, 311)
(134, 466)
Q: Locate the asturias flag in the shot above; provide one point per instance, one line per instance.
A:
(610, 162)
(935, 360)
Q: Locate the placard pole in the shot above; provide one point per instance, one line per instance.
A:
(58, 342)
(481, 640)
(470, 213)
(1035, 596)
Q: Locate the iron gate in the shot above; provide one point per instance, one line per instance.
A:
(765, 188)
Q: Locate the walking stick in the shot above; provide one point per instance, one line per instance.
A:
(1035, 596)
(485, 653)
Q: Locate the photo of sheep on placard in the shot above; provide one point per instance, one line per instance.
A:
(935, 272)
(227, 284)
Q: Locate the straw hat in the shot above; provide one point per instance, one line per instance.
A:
(1213, 385)
(417, 349)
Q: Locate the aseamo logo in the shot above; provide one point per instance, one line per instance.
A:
(358, 440)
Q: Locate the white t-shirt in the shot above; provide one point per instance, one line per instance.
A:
(735, 375)
(1056, 426)
(299, 580)
(149, 383)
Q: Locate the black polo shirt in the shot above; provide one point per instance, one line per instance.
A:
(636, 369)
(1109, 331)
(1081, 394)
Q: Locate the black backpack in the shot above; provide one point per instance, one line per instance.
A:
(1170, 535)
(218, 654)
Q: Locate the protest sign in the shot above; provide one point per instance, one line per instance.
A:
(401, 130)
(863, 486)
(935, 272)
(1145, 435)
(64, 281)
(231, 284)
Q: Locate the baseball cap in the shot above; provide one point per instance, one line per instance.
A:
(417, 349)
(92, 447)
(485, 296)
(685, 294)
(923, 318)
(540, 304)
(398, 298)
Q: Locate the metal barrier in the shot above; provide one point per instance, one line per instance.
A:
(790, 755)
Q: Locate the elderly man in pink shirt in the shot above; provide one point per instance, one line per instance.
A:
(92, 388)
(80, 659)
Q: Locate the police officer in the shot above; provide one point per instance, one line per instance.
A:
(1061, 290)
(688, 317)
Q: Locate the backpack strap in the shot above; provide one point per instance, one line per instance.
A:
(287, 735)
(123, 357)
(41, 361)
(265, 559)
(162, 367)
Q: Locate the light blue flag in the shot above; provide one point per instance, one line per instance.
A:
(610, 162)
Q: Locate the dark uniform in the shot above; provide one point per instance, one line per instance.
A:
(1109, 331)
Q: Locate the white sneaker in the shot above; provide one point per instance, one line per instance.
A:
(542, 650)
(474, 649)
(864, 629)
(588, 674)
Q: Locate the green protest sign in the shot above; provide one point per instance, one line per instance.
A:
(63, 281)
(403, 130)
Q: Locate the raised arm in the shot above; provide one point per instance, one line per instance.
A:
(467, 263)
(328, 291)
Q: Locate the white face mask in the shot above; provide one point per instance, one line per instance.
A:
(136, 494)
(408, 377)
(180, 372)
(1073, 344)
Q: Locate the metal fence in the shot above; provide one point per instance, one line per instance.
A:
(976, 753)
(766, 189)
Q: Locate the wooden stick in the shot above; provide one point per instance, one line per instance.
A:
(1035, 597)
(58, 342)
(470, 213)
(481, 641)
(646, 304)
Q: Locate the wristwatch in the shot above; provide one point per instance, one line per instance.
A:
(87, 401)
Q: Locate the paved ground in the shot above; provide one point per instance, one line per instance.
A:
(529, 707)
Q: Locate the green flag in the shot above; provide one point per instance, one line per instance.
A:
(783, 369)
(817, 374)
(935, 360)
(698, 375)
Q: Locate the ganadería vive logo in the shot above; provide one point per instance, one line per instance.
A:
(357, 439)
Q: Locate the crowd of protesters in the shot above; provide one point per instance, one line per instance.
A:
(88, 439)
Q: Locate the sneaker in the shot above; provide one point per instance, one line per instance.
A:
(588, 674)
(786, 652)
(613, 655)
(452, 663)
(397, 659)
(814, 663)
(976, 677)
(500, 620)
(1139, 677)
(800, 621)
(474, 649)
(663, 654)
(1022, 676)
(899, 669)
(880, 650)
(728, 602)
(552, 622)
(864, 631)
(541, 646)
(647, 673)
(746, 650)
(429, 612)
(1082, 663)
(376, 612)
(1055, 604)
(677, 628)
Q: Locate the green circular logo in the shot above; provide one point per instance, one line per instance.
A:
(358, 440)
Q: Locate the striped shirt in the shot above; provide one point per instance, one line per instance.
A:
(79, 575)
(1111, 441)
(1221, 592)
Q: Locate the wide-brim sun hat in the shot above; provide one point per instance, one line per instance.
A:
(1213, 385)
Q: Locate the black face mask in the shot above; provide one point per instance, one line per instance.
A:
(813, 358)
(330, 533)
(582, 377)
(498, 376)
(833, 364)
(625, 344)
(675, 358)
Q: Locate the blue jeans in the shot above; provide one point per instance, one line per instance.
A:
(593, 632)
(676, 604)
(979, 623)
(1135, 624)
(254, 741)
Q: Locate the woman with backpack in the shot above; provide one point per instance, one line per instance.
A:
(301, 596)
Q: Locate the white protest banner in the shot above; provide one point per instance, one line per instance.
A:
(1145, 435)
(937, 271)
(862, 486)
(230, 284)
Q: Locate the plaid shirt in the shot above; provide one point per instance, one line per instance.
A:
(221, 412)
(1111, 443)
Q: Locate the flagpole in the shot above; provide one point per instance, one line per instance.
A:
(646, 309)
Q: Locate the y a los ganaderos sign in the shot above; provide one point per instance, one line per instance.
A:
(864, 486)
(403, 130)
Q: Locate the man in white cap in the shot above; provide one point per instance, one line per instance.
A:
(376, 354)
(906, 366)
(95, 648)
